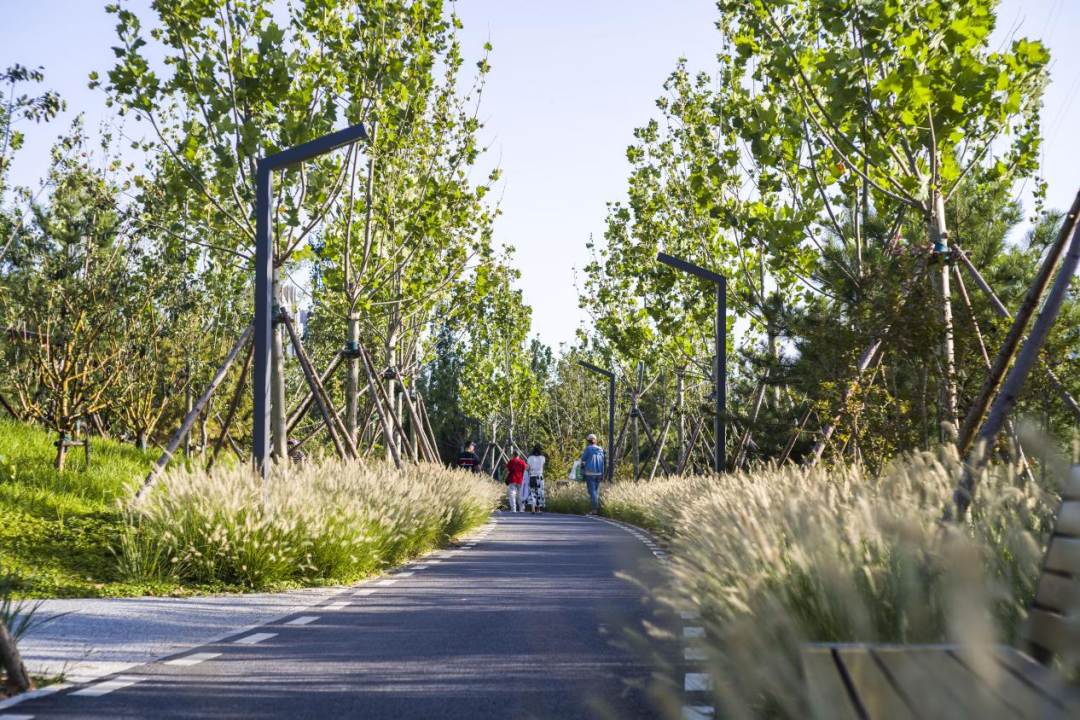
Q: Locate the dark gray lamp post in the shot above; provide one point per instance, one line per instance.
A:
(611, 415)
(720, 363)
(264, 271)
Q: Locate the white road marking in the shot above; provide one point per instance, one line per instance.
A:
(252, 639)
(337, 605)
(689, 614)
(697, 712)
(104, 688)
(384, 583)
(303, 620)
(365, 592)
(8, 716)
(189, 660)
(696, 682)
(433, 562)
(419, 567)
(695, 653)
(404, 574)
(693, 632)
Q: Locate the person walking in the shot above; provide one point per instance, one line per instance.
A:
(467, 458)
(515, 470)
(593, 462)
(535, 463)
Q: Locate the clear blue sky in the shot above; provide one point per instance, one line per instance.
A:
(569, 82)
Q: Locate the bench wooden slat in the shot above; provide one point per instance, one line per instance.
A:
(878, 696)
(1068, 519)
(1054, 633)
(1064, 555)
(829, 697)
(934, 693)
(978, 699)
(1072, 488)
(1028, 701)
(1043, 679)
(1058, 593)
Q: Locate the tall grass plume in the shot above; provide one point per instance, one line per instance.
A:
(328, 522)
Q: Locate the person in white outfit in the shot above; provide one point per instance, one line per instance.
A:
(535, 492)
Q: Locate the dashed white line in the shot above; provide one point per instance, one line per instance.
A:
(365, 592)
(419, 567)
(433, 562)
(404, 574)
(104, 688)
(337, 605)
(189, 660)
(698, 682)
(303, 620)
(693, 632)
(384, 583)
(8, 716)
(689, 614)
(697, 712)
(252, 639)
(695, 653)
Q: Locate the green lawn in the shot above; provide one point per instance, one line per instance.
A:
(60, 533)
(57, 530)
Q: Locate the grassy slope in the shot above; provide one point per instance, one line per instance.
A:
(59, 531)
(56, 529)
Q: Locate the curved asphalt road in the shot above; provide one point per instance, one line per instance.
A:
(537, 619)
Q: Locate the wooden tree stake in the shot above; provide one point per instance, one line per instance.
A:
(185, 426)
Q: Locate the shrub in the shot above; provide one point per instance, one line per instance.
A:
(775, 558)
(330, 522)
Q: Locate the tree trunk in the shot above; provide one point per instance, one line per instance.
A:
(352, 378)
(277, 378)
(744, 439)
(17, 676)
(187, 410)
(939, 237)
(373, 383)
(61, 452)
(1010, 346)
(344, 446)
(680, 394)
(298, 414)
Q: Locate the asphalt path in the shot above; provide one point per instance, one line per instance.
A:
(537, 617)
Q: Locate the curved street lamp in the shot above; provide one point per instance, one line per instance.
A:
(720, 362)
(265, 309)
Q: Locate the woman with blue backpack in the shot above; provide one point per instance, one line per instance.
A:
(592, 468)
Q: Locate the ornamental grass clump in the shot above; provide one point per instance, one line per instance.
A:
(775, 558)
(331, 522)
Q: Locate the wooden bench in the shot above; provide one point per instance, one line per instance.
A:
(868, 682)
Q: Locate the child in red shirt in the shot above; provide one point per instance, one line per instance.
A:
(515, 471)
